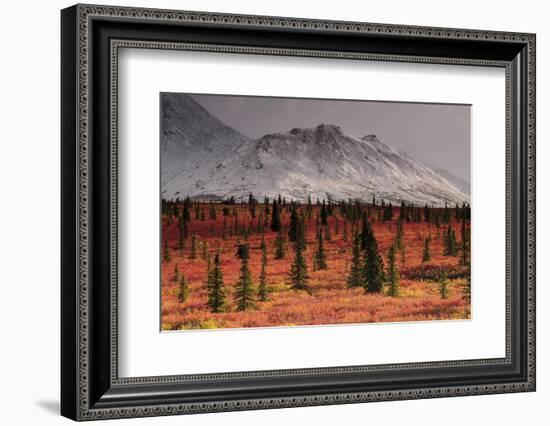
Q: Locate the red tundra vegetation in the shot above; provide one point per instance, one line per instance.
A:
(276, 263)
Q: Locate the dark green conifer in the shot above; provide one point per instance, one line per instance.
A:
(165, 251)
(426, 253)
(262, 287)
(215, 287)
(298, 270)
(245, 294)
(275, 218)
(356, 276)
(193, 254)
(280, 248)
(393, 273)
(320, 261)
(183, 290)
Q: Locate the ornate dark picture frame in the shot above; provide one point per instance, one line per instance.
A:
(91, 36)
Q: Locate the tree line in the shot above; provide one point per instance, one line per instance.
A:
(367, 271)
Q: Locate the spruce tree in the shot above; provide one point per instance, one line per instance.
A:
(399, 234)
(427, 213)
(262, 287)
(301, 234)
(426, 253)
(327, 232)
(193, 254)
(393, 273)
(446, 214)
(345, 233)
(275, 218)
(293, 226)
(280, 245)
(212, 212)
(373, 264)
(356, 277)
(320, 261)
(176, 276)
(323, 214)
(183, 290)
(443, 285)
(453, 248)
(465, 244)
(165, 251)
(449, 242)
(244, 289)
(216, 288)
(298, 270)
(204, 250)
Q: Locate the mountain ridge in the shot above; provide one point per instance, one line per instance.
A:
(203, 157)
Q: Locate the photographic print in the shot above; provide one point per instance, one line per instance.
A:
(293, 211)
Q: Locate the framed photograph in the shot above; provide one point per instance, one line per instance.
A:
(263, 212)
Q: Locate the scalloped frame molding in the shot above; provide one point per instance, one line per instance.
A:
(85, 14)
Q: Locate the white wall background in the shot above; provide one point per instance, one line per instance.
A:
(29, 217)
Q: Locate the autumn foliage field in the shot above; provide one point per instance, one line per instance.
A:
(425, 286)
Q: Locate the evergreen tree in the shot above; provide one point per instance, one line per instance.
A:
(319, 261)
(183, 290)
(366, 233)
(216, 288)
(443, 285)
(186, 214)
(280, 245)
(427, 254)
(345, 232)
(427, 213)
(244, 289)
(402, 211)
(446, 214)
(298, 270)
(176, 276)
(327, 232)
(373, 263)
(204, 250)
(212, 212)
(465, 244)
(275, 217)
(262, 287)
(181, 239)
(399, 234)
(449, 242)
(293, 228)
(323, 214)
(452, 248)
(301, 234)
(387, 212)
(309, 208)
(356, 277)
(193, 254)
(393, 273)
(165, 251)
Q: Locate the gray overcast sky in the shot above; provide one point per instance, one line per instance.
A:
(438, 135)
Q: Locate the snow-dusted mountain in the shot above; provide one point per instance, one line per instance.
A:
(459, 183)
(191, 137)
(202, 157)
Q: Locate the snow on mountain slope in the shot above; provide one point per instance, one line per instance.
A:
(191, 137)
(459, 183)
(210, 160)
